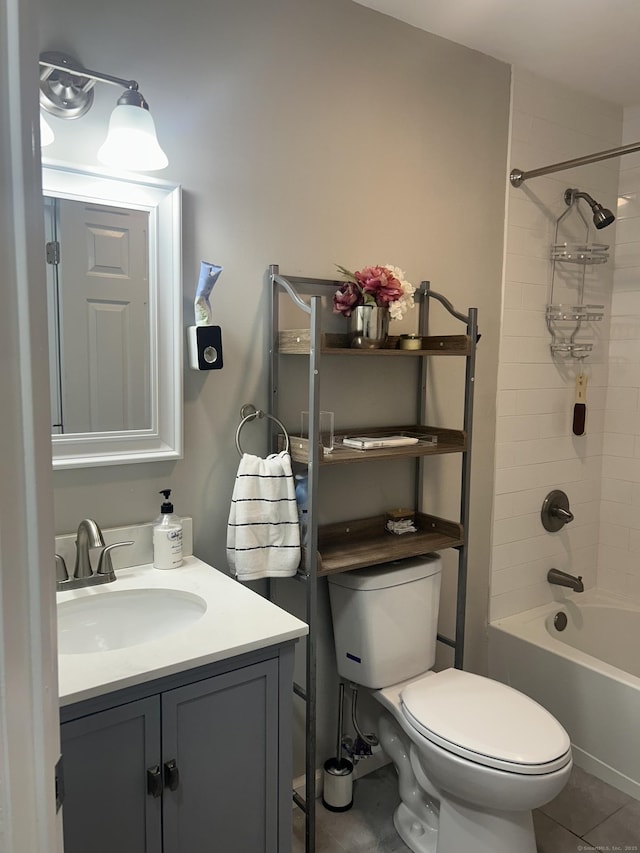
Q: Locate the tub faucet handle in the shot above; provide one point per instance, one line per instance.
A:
(563, 514)
(555, 512)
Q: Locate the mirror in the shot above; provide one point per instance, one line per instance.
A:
(114, 298)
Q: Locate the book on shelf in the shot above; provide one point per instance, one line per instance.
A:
(370, 442)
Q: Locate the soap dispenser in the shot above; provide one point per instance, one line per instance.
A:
(167, 536)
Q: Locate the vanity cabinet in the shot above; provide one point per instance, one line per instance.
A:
(105, 755)
(202, 763)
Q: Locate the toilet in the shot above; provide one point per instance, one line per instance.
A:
(473, 756)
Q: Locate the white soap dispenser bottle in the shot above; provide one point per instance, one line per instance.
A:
(167, 536)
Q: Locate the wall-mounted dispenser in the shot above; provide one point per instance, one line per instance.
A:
(204, 340)
(205, 347)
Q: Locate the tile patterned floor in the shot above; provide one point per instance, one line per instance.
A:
(587, 816)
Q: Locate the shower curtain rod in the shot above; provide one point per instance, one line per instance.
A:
(518, 177)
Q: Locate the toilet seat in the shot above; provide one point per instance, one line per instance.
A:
(485, 722)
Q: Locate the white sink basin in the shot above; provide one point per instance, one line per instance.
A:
(121, 618)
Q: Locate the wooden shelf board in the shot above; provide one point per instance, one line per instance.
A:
(297, 342)
(449, 441)
(365, 542)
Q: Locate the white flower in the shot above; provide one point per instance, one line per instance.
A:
(398, 308)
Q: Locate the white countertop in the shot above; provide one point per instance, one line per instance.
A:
(236, 620)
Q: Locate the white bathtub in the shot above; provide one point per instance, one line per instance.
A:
(587, 676)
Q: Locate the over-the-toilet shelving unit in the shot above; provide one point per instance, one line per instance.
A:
(570, 259)
(356, 543)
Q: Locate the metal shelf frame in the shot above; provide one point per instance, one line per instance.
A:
(307, 294)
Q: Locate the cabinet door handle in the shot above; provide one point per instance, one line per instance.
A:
(154, 781)
(171, 775)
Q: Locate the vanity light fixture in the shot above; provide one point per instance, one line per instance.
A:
(66, 91)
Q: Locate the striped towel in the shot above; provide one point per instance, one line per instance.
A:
(263, 533)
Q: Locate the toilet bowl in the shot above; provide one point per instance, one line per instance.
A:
(485, 753)
(473, 756)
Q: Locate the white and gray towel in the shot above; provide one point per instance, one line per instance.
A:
(263, 533)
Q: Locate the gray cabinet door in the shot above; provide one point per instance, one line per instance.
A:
(106, 756)
(223, 735)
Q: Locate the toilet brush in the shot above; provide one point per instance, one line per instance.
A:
(337, 793)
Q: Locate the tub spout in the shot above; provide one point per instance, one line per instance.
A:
(555, 576)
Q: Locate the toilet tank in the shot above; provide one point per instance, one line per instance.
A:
(385, 620)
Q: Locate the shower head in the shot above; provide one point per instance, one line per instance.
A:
(602, 216)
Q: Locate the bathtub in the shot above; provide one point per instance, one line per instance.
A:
(587, 676)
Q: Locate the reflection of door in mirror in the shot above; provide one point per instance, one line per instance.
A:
(98, 300)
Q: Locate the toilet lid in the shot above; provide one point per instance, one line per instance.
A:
(486, 722)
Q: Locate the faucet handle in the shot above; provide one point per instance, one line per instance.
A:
(61, 569)
(564, 515)
(105, 566)
(555, 512)
(62, 575)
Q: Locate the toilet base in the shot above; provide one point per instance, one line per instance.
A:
(430, 822)
(416, 834)
(463, 828)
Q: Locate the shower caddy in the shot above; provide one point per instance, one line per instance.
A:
(349, 545)
(571, 258)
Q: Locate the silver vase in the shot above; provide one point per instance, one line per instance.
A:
(368, 326)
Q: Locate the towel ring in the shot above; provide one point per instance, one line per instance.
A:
(258, 413)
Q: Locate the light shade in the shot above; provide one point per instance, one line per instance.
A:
(46, 134)
(131, 141)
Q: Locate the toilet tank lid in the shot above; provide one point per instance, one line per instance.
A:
(395, 573)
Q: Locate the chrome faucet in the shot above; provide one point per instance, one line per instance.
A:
(88, 536)
(555, 576)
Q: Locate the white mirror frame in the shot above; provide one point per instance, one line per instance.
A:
(163, 203)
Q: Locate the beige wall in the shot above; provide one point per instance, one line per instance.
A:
(304, 134)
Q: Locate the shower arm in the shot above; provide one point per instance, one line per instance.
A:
(518, 177)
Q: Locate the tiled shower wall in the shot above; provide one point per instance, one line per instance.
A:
(536, 449)
(619, 551)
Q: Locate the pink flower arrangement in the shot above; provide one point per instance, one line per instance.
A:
(384, 286)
